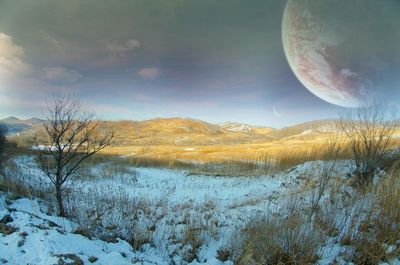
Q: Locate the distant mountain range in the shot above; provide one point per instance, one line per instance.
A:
(184, 131)
(15, 120)
(15, 125)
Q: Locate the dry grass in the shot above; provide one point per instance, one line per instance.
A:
(375, 231)
(7, 229)
(235, 158)
(83, 232)
(194, 144)
(117, 216)
(293, 237)
(223, 254)
(65, 259)
(139, 238)
(193, 239)
(13, 150)
(217, 152)
(282, 239)
(222, 160)
(12, 183)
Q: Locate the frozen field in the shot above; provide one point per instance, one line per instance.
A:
(168, 216)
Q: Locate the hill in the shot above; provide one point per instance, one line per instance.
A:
(15, 125)
(191, 140)
(180, 131)
(309, 127)
(186, 131)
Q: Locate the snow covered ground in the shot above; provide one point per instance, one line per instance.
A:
(40, 238)
(167, 202)
(169, 216)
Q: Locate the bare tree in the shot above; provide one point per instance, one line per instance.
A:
(369, 131)
(70, 137)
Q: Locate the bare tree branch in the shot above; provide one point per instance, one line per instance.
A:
(369, 132)
(70, 137)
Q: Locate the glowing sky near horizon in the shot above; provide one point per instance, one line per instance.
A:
(212, 60)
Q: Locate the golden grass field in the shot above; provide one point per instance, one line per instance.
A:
(179, 142)
(308, 146)
(174, 142)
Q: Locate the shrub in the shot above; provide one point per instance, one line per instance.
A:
(369, 131)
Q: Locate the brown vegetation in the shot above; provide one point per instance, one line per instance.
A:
(369, 132)
(3, 144)
(375, 231)
(287, 238)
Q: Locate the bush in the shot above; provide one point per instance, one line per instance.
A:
(370, 134)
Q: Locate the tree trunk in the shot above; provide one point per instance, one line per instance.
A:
(61, 210)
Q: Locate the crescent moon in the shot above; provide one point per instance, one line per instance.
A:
(277, 114)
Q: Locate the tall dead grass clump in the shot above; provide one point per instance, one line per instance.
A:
(332, 149)
(374, 232)
(289, 238)
(290, 158)
(192, 238)
(14, 182)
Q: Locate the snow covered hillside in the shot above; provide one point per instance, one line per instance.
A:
(166, 202)
(31, 236)
(151, 215)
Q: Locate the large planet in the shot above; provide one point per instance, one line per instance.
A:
(346, 52)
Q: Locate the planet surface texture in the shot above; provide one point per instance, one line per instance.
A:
(343, 51)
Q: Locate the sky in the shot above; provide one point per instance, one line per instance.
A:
(212, 60)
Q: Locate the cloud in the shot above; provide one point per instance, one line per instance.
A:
(11, 58)
(60, 74)
(150, 72)
(49, 37)
(7, 48)
(14, 68)
(22, 84)
(119, 50)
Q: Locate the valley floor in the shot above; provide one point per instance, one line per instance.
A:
(148, 215)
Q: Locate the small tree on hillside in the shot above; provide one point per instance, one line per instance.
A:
(369, 132)
(70, 137)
